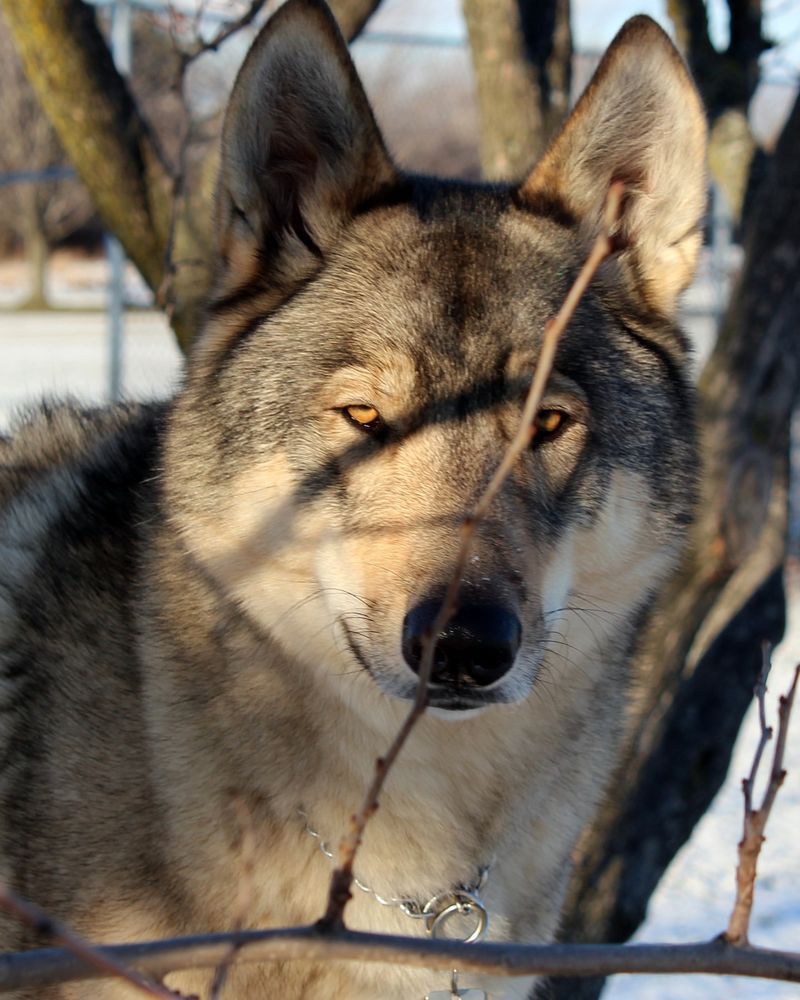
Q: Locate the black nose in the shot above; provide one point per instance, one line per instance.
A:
(475, 648)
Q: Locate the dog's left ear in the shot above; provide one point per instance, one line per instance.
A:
(300, 152)
(639, 121)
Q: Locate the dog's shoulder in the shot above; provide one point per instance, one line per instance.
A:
(75, 488)
(53, 436)
(78, 492)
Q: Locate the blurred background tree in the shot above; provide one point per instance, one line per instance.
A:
(727, 80)
(522, 54)
(34, 216)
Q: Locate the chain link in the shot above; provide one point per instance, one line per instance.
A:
(410, 907)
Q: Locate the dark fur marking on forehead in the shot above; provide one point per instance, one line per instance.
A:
(475, 398)
(431, 199)
(435, 198)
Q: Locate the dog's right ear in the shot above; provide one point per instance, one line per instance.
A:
(300, 154)
(639, 121)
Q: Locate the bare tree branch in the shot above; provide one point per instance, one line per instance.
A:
(226, 31)
(726, 78)
(746, 43)
(101, 962)
(760, 692)
(33, 969)
(755, 820)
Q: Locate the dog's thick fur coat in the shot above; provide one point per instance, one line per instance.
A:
(217, 596)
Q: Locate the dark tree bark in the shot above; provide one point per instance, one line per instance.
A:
(727, 81)
(522, 54)
(728, 78)
(701, 654)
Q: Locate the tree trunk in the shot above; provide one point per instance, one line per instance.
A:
(98, 124)
(701, 654)
(731, 148)
(522, 55)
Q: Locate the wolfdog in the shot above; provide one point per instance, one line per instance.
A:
(227, 594)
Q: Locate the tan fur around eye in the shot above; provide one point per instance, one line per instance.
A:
(362, 414)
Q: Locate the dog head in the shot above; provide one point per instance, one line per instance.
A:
(369, 345)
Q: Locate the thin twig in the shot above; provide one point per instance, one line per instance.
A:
(31, 970)
(605, 246)
(89, 955)
(760, 692)
(246, 892)
(755, 820)
(225, 32)
(165, 294)
(197, 17)
(778, 774)
(172, 19)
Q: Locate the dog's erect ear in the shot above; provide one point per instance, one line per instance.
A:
(300, 151)
(639, 121)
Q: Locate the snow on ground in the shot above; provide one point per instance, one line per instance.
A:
(694, 900)
(66, 351)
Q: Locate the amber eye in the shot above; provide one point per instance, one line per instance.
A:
(548, 423)
(364, 416)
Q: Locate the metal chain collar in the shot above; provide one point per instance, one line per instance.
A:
(464, 899)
